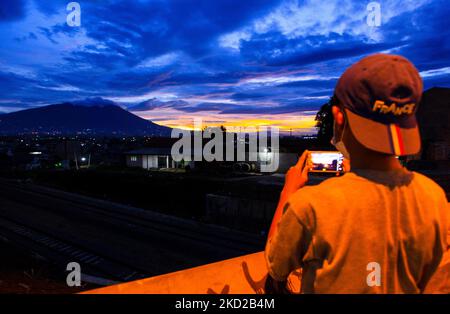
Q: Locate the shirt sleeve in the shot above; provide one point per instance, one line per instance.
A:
(448, 226)
(285, 249)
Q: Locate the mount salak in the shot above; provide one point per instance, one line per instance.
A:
(68, 118)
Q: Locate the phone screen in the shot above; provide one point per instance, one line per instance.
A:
(323, 161)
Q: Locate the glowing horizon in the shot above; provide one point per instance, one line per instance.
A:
(295, 123)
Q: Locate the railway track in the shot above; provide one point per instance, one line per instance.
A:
(96, 269)
(109, 240)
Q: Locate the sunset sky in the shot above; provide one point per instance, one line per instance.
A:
(236, 63)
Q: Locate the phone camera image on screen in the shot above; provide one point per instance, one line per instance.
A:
(326, 161)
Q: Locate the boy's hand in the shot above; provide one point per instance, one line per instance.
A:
(297, 176)
(346, 165)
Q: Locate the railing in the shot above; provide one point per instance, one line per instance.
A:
(241, 275)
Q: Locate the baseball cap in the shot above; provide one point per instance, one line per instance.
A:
(380, 95)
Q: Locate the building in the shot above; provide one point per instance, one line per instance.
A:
(150, 158)
(434, 122)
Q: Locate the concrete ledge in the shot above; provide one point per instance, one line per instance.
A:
(241, 275)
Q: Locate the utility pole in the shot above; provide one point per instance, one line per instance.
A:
(76, 160)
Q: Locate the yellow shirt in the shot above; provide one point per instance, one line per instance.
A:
(365, 232)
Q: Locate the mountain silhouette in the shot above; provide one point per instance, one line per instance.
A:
(68, 118)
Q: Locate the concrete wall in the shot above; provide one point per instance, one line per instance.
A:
(241, 275)
(239, 213)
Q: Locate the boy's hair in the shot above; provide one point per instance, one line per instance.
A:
(334, 101)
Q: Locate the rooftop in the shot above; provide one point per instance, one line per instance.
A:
(150, 151)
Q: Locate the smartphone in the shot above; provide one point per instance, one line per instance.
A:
(325, 161)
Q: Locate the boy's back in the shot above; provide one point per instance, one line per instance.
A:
(366, 232)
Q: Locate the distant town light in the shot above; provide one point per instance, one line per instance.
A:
(35, 153)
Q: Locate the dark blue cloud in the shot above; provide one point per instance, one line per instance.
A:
(12, 83)
(313, 83)
(48, 34)
(228, 108)
(50, 7)
(154, 103)
(11, 10)
(249, 96)
(427, 33)
(28, 36)
(93, 101)
(307, 50)
(286, 107)
(208, 106)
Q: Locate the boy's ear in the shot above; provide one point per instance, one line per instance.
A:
(337, 115)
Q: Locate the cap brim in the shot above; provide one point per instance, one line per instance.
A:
(385, 138)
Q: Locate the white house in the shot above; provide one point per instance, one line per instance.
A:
(150, 158)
